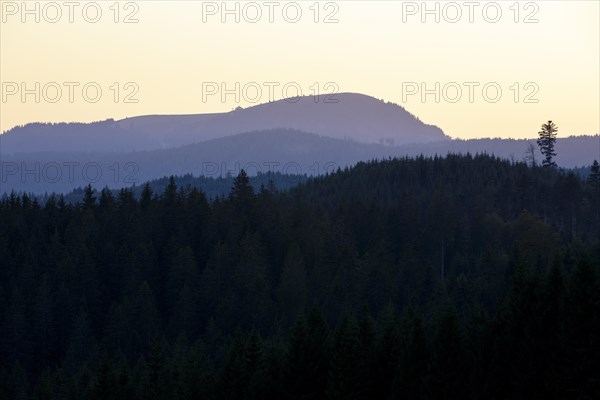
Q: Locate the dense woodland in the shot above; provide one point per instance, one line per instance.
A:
(212, 187)
(457, 277)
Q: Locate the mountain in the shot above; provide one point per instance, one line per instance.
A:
(352, 116)
(305, 136)
(279, 150)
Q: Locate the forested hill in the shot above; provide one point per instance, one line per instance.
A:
(457, 277)
(461, 186)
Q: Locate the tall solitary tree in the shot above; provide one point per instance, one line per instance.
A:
(546, 141)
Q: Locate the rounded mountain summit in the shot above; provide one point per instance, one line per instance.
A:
(351, 116)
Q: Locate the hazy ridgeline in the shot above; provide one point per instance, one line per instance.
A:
(59, 157)
(456, 277)
(281, 151)
(351, 116)
(310, 136)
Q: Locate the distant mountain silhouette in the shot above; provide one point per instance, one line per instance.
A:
(344, 116)
(278, 150)
(307, 135)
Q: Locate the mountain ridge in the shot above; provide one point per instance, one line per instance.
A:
(356, 116)
(279, 150)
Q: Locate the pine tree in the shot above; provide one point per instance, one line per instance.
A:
(594, 177)
(253, 368)
(81, 342)
(593, 183)
(231, 383)
(104, 386)
(413, 371)
(242, 191)
(14, 333)
(387, 353)
(183, 270)
(89, 199)
(251, 282)
(17, 383)
(124, 385)
(344, 373)
(146, 197)
(44, 320)
(546, 141)
(582, 331)
(551, 335)
(145, 317)
(293, 288)
(170, 194)
(243, 200)
(156, 376)
(366, 356)
(449, 369)
(197, 378)
(106, 201)
(307, 362)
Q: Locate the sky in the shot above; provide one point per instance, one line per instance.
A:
(475, 69)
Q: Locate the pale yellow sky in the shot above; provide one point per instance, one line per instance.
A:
(547, 69)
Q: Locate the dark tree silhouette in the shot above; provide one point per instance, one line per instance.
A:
(546, 141)
(594, 177)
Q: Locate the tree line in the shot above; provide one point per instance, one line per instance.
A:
(455, 277)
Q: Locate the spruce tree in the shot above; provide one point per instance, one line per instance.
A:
(593, 183)
(546, 141)
(242, 192)
(344, 371)
(89, 199)
(594, 177)
(146, 197)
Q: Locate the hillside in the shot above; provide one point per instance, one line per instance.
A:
(354, 116)
(470, 273)
(278, 150)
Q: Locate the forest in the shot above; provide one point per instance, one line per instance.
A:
(457, 277)
(211, 186)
